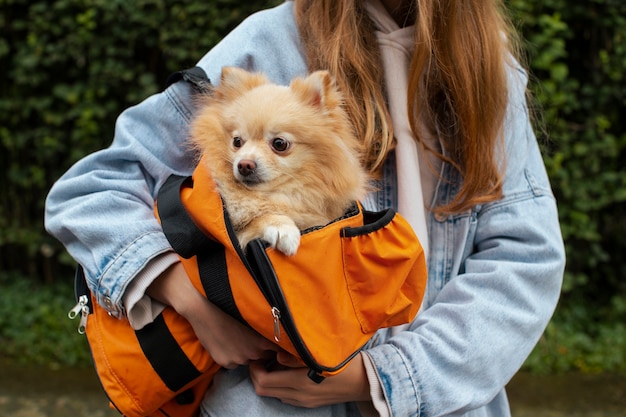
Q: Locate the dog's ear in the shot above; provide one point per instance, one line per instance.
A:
(318, 90)
(236, 81)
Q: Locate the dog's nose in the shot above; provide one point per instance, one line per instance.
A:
(246, 167)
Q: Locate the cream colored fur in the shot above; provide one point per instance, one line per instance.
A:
(284, 158)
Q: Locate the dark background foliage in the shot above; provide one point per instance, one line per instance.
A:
(68, 67)
(577, 54)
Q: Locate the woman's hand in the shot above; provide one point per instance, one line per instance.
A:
(291, 385)
(229, 342)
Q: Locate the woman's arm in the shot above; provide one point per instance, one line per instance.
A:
(494, 280)
(102, 208)
(229, 342)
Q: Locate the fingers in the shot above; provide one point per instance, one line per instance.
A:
(272, 382)
(243, 352)
(289, 385)
(288, 360)
(230, 360)
(293, 386)
(229, 342)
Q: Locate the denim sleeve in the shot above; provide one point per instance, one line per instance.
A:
(494, 280)
(102, 208)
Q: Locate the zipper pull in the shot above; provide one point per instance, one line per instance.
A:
(82, 325)
(82, 308)
(76, 309)
(276, 315)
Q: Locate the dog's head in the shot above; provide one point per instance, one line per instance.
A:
(266, 136)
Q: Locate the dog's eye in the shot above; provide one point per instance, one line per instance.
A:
(237, 142)
(280, 144)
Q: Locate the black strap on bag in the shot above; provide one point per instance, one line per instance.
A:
(158, 345)
(188, 241)
(196, 76)
(156, 340)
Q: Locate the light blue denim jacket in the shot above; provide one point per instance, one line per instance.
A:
(494, 272)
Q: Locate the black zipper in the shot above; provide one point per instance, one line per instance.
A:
(266, 279)
(260, 267)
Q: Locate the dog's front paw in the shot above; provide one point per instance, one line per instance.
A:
(283, 237)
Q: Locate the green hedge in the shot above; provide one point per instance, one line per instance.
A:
(68, 67)
(577, 52)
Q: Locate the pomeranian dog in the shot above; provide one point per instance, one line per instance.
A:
(284, 158)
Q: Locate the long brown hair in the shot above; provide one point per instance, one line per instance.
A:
(458, 82)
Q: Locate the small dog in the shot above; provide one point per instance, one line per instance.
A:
(283, 158)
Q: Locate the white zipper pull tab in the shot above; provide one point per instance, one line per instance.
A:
(82, 325)
(82, 308)
(276, 315)
(76, 309)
